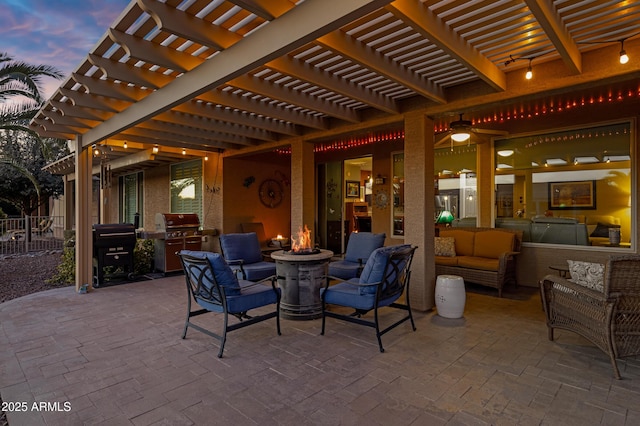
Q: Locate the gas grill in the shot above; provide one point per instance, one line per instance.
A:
(177, 231)
(113, 245)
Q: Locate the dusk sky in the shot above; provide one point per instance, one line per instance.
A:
(55, 32)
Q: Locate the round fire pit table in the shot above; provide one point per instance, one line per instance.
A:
(300, 277)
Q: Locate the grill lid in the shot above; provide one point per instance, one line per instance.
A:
(172, 221)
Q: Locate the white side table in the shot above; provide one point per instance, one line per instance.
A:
(450, 296)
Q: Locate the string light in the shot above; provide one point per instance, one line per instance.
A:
(155, 149)
(124, 145)
(529, 73)
(184, 151)
(206, 156)
(624, 58)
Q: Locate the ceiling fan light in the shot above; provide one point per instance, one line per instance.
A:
(460, 136)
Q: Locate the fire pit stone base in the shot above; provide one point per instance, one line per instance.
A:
(300, 277)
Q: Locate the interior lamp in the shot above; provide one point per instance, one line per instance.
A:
(445, 217)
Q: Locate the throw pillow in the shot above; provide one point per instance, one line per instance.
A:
(445, 246)
(602, 229)
(588, 274)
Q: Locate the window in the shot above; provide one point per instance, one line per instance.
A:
(568, 186)
(456, 184)
(186, 187)
(131, 198)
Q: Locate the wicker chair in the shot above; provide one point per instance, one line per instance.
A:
(610, 319)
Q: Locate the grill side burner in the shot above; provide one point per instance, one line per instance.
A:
(181, 231)
(113, 245)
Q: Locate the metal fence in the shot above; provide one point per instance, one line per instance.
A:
(31, 234)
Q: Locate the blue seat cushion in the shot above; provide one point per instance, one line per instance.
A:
(343, 269)
(252, 295)
(223, 274)
(374, 269)
(243, 246)
(362, 244)
(259, 270)
(350, 295)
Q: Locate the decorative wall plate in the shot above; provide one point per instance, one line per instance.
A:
(270, 193)
(382, 198)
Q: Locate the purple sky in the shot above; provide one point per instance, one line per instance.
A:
(55, 32)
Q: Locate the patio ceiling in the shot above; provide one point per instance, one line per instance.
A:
(253, 74)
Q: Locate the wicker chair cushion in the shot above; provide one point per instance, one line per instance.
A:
(464, 240)
(445, 246)
(588, 274)
(492, 244)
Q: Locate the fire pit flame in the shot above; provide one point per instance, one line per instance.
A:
(302, 244)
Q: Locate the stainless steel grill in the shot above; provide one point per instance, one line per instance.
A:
(177, 231)
(113, 245)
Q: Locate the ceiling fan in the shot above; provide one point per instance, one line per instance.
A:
(461, 130)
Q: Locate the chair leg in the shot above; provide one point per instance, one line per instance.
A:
(186, 323)
(278, 318)
(223, 338)
(375, 320)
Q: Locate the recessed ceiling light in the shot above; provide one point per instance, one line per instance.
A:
(556, 162)
(617, 158)
(585, 160)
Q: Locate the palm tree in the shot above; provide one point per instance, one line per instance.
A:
(20, 91)
(20, 100)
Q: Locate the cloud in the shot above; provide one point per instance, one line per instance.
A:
(59, 33)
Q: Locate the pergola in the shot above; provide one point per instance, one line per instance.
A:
(238, 76)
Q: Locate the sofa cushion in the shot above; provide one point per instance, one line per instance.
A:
(447, 260)
(463, 240)
(602, 229)
(483, 263)
(588, 274)
(445, 246)
(491, 244)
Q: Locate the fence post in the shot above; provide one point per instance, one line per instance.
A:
(27, 233)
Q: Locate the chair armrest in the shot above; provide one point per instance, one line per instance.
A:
(330, 278)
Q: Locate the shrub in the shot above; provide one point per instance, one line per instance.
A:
(143, 257)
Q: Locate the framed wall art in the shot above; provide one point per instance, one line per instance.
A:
(352, 189)
(572, 195)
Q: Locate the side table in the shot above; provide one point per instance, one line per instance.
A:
(562, 270)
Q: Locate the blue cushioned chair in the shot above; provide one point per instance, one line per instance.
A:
(244, 255)
(212, 284)
(359, 248)
(384, 279)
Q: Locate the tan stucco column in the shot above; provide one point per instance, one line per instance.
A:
(302, 187)
(84, 242)
(419, 229)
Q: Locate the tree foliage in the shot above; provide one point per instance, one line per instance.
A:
(23, 183)
(23, 154)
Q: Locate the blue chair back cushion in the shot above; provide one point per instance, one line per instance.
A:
(374, 269)
(243, 246)
(362, 244)
(223, 274)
